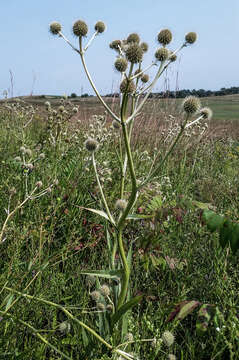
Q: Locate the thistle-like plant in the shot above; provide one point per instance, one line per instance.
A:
(135, 89)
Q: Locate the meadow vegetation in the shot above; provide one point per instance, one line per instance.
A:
(94, 265)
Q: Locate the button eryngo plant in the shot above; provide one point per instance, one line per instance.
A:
(135, 88)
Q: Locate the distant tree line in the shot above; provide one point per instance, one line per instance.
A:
(186, 92)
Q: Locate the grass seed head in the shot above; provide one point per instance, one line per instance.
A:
(133, 38)
(134, 53)
(206, 112)
(121, 64)
(80, 28)
(55, 28)
(165, 37)
(126, 86)
(91, 144)
(162, 54)
(168, 338)
(100, 27)
(190, 37)
(191, 105)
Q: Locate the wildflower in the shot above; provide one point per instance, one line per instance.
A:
(101, 306)
(121, 64)
(191, 104)
(100, 27)
(91, 144)
(145, 78)
(28, 152)
(206, 113)
(171, 357)
(115, 44)
(105, 290)
(39, 184)
(165, 37)
(168, 338)
(95, 295)
(129, 337)
(134, 53)
(127, 86)
(121, 204)
(190, 37)
(80, 28)
(162, 54)
(65, 327)
(133, 38)
(144, 46)
(55, 27)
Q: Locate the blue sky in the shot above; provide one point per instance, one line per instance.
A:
(30, 51)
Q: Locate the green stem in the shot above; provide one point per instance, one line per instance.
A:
(125, 279)
(101, 192)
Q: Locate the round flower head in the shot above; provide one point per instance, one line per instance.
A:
(172, 57)
(145, 78)
(101, 306)
(137, 72)
(95, 295)
(168, 338)
(39, 184)
(133, 38)
(121, 204)
(91, 144)
(75, 109)
(126, 86)
(28, 152)
(171, 357)
(191, 37)
(206, 113)
(23, 149)
(116, 125)
(162, 54)
(144, 46)
(129, 337)
(47, 104)
(191, 105)
(80, 28)
(100, 27)
(121, 64)
(115, 44)
(134, 53)
(105, 290)
(61, 108)
(65, 327)
(55, 27)
(165, 37)
(109, 308)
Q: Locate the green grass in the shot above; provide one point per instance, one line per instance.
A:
(175, 258)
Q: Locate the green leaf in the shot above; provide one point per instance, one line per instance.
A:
(122, 310)
(98, 212)
(186, 309)
(138, 217)
(225, 233)
(234, 240)
(9, 302)
(204, 316)
(107, 274)
(84, 337)
(213, 221)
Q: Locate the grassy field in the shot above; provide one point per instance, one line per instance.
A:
(48, 237)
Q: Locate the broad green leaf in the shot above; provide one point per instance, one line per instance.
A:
(234, 240)
(122, 310)
(204, 316)
(138, 217)
(186, 309)
(107, 274)
(200, 205)
(98, 212)
(225, 233)
(213, 221)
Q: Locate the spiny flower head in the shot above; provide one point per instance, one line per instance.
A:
(191, 37)
(95, 295)
(162, 54)
(55, 28)
(115, 44)
(145, 78)
(206, 113)
(101, 306)
(121, 204)
(144, 46)
(121, 64)
(172, 56)
(91, 144)
(126, 86)
(100, 27)
(105, 290)
(191, 105)
(168, 338)
(80, 28)
(134, 53)
(165, 37)
(133, 38)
